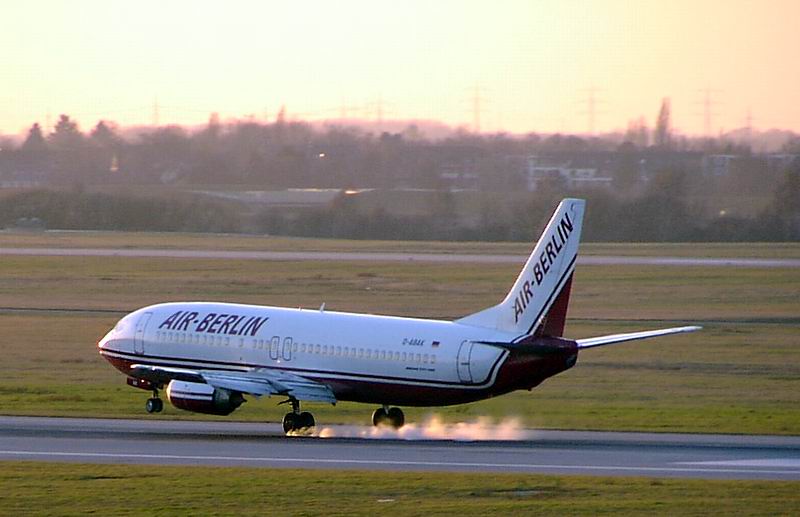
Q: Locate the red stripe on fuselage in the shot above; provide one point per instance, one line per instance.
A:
(521, 370)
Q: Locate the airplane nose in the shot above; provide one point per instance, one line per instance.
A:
(104, 341)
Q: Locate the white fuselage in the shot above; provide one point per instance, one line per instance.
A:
(350, 352)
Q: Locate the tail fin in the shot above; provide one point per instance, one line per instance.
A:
(538, 300)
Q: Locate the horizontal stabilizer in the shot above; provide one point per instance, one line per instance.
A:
(631, 336)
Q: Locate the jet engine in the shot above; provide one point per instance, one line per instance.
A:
(202, 398)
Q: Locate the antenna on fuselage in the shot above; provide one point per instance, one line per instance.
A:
(322, 307)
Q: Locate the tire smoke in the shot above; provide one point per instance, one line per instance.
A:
(434, 428)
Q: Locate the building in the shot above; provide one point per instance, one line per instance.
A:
(573, 173)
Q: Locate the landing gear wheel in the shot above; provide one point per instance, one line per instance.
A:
(154, 405)
(380, 417)
(297, 421)
(290, 422)
(306, 420)
(396, 417)
(386, 416)
(293, 422)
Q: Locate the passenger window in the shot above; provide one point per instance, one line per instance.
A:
(418, 358)
(425, 358)
(404, 356)
(433, 358)
(317, 349)
(338, 351)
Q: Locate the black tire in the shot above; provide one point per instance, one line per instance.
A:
(289, 423)
(159, 405)
(306, 420)
(151, 406)
(396, 417)
(379, 417)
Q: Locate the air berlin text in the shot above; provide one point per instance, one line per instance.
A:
(541, 267)
(213, 323)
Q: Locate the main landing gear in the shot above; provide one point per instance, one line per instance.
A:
(388, 416)
(297, 420)
(154, 404)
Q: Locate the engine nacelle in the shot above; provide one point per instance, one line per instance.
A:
(202, 398)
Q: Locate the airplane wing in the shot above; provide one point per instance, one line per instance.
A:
(258, 382)
(631, 336)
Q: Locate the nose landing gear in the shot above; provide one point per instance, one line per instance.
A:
(388, 416)
(296, 420)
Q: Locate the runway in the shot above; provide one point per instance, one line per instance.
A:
(591, 260)
(263, 445)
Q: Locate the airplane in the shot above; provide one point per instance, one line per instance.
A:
(209, 355)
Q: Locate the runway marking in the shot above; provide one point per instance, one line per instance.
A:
(789, 463)
(255, 459)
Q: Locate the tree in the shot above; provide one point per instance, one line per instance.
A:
(626, 172)
(213, 129)
(35, 140)
(66, 134)
(105, 135)
(637, 133)
(663, 131)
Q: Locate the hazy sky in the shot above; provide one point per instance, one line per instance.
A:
(533, 61)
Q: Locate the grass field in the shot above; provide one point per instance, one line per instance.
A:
(70, 489)
(741, 374)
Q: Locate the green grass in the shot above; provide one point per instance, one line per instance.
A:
(740, 374)
(78, 489)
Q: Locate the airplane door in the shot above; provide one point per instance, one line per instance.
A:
(462, 362)
(138, 337)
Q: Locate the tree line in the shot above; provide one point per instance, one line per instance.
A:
(661, 214)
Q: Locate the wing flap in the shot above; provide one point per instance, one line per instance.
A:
(257, 382)
(631, 336)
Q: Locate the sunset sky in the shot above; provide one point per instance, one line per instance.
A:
(533, 61)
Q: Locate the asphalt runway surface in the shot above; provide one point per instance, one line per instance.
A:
(263, 445)
(596, 260)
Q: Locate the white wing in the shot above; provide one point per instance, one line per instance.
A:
(631, 336)
(258, 382)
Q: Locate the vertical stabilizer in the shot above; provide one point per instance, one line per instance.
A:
(546, 274)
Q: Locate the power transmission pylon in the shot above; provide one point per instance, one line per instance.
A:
(591, 112)
(708, 103)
